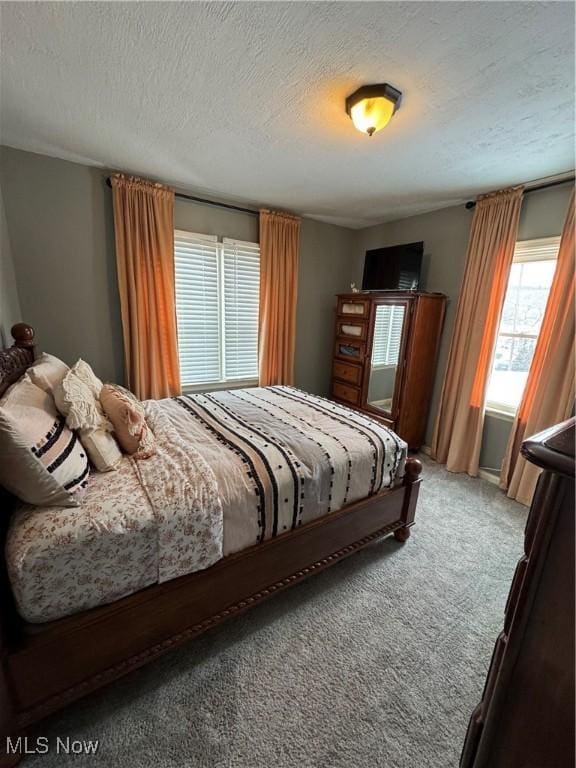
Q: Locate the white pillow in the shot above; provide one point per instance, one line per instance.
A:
(47, 372)
(43, 462)
(77, 398)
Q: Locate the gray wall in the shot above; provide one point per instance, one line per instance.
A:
(9, 302)
(62, 237)
(325, 270)
(445, 234)
(209, 220)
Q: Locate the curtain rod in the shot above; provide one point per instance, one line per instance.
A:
(472, 203)
(204, 201)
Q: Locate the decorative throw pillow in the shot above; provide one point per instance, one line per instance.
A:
(83, 371)
(43, 462)
(47, 372)
(77, 399)
(127, 415)
(102, 448)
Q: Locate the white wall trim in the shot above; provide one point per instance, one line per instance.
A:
(499, 414)
(215, 386)
(491, 477)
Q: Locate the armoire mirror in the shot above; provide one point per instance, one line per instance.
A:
(385, 358)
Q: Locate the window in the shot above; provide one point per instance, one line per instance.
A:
(387, 335)
(524, 305)
(217, 301)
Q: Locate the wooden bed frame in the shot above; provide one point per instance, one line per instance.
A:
(44, 667)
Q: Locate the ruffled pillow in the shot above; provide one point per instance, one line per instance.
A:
(127, 415)
(77, 399)
(83, 371)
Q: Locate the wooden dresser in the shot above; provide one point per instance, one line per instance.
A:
(526, 716)
(385, 357)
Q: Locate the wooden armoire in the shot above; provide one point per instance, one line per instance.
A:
(385, 357)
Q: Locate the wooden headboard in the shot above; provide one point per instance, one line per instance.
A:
(13, 363)
(16, 359)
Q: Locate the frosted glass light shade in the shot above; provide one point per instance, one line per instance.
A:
(372, 106)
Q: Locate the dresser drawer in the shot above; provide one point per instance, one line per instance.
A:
(350, 350)
(346, 393)
(351, 374)
(473, 734)
(493, 671)
(354, 307)
(515, 589)
(352, 329)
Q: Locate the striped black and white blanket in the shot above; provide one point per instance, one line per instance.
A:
(282, 457)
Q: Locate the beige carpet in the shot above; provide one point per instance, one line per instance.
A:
(378, 661)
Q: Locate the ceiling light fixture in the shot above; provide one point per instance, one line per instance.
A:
(372, 106)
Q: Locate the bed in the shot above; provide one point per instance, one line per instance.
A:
(284, 485)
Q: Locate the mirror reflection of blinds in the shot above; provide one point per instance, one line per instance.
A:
(406, 281)
(387, 335)
(217, 300)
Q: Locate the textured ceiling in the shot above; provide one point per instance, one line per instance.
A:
(246, 100)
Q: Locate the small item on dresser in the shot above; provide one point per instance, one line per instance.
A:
(47, 372)
(43, 462)
(77, 399)
(128, 418)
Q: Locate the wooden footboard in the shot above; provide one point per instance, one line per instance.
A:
(50, 665)
(44, 667)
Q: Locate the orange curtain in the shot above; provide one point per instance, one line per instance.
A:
(144, 234)
(549, 393)
(279, 240)
(458, 431)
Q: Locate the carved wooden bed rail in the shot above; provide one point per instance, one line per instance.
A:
(43, 667)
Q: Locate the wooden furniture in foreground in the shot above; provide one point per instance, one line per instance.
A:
(526, 716)
(385, 357)
(43, 667)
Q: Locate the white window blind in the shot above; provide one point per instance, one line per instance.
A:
(387, 334)
(217, 302)
(542, 249)
(241, 285)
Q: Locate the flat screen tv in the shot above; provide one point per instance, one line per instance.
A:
(393, 268)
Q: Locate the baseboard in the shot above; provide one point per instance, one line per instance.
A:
(491, 477)
(483, 474)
